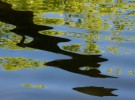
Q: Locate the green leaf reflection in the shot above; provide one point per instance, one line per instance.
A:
(38, 86)
(18, 63)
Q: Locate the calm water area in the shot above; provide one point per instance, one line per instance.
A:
(67, 50)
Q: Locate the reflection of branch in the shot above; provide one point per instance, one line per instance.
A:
(22, 41)
(74, 65)
(25, 27)
(96, 91)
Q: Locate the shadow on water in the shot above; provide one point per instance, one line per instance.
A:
(23, 20)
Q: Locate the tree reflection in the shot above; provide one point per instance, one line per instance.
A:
(107, 15)
(81, 64)
(23, 20)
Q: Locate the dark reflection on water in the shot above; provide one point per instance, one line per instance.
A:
(23, 20)
(75, 64)
(96, 91)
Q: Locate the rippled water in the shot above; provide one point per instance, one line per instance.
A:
(67, 49)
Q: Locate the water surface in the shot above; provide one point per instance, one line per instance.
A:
(67, 50)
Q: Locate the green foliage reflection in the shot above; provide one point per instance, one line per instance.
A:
(8, 39)
(12, 64)
(112, 16)
(39, 86)
(73, 47)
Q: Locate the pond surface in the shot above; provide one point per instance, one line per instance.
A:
(67, 50)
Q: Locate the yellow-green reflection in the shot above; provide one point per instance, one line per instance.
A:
(39, 86)
(92, 49)
(112, 16)
(86, 68)
(119, 71)
(113, 49)
(92, 10)
(17, 63)
(52, 33)
(116, 71)
(8, 39)
(131, 72)
(89, 49)
(73, 47)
